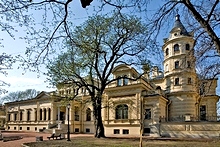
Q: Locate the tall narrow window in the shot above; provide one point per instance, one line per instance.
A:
(121, 112)
(88, 114)
(176, 48)
(15, 116)
(28, 115)
(41, 118)
(45, 114)
(49, 113)
(21, 115)
(125, 80)
(35, 111)
(76, 113)
(177, 81)
(167, 52)
(177, 64)
(187, 47)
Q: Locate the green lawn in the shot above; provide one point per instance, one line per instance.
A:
(132, 142)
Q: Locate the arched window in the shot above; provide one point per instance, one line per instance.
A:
(177, 65)
(121, 112)
(119, 82)
(125, 81)
(41, 118)
(176, 48)
(167, 52)
(49, 113)
(88, 114)
(187, 47)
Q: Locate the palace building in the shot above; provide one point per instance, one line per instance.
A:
(175, 102)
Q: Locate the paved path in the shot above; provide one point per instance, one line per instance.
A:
(28, 137)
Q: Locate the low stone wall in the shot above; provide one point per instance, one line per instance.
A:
(190, 129)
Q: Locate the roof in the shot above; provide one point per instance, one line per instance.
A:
(178, 25)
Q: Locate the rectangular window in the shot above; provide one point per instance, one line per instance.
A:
(125, 131)
(28, 128)
(35, 128)
(87, 130)
(77, 130)
(15, 128)
(76, 113)
(203, 113)
(176, 81)
(116, 131)
(147, 114)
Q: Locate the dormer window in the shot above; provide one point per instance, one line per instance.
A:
(167, 52)
(125, 80)
(187, 47)
(119, 81)
(176, 48)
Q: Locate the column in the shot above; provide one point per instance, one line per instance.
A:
(58, 113)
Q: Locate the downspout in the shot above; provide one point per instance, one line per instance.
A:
(169, 102)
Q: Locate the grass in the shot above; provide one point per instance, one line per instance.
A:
(131, 142)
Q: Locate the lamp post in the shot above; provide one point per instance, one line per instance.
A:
(68, 119)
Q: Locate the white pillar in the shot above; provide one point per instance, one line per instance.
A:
(58, 113)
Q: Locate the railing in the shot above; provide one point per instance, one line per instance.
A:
(188, 118)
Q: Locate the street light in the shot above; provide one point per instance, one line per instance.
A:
(68, 119)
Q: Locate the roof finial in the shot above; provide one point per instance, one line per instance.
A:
(177, 15)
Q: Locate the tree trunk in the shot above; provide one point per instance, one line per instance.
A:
(97, 112)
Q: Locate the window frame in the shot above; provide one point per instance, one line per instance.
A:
(177, 81)
(176, 48)
(121, 111)
(176, 64)
(148, 114)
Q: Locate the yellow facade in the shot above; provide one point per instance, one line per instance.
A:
(156, 104)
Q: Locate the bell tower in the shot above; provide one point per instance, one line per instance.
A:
(179, 71)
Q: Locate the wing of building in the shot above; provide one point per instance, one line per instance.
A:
(175, 102)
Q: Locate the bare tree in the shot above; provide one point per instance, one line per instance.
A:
(6, 62)
(19, 95)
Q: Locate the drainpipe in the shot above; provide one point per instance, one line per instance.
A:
(167, 109)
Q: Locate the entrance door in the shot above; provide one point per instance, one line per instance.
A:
(62, 116)
(203, 113)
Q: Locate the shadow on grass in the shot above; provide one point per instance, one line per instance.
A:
(125, 142)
